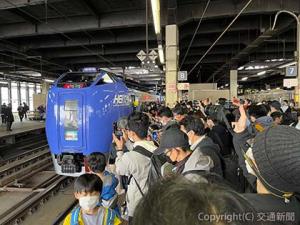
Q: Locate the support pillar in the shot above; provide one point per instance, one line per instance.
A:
(171, 64)
(9, 92)
(297, 89)
(233, 83)
(45, 88)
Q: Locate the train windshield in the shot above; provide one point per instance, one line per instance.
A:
(71, 120)
(77, 80)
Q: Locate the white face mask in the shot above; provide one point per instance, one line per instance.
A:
(249, 153)
(190, 142)
(89, 202)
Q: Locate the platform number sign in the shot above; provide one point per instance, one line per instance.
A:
(182, 75)
(291, 71)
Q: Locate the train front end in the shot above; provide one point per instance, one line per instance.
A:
(81, 110)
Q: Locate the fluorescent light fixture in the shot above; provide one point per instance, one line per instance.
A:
(287, 64)
(226, 85)
(161, 54)
(244, 78)
(241, 68)
(3, 82)
(261, 73)
(89, 70)
(49, 80)
(155, 5)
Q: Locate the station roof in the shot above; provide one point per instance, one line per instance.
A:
(54, 36)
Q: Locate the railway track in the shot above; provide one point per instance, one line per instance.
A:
(25, 165)
(38, 196)
(42, 145)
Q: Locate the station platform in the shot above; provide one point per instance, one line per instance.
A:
(19, 128)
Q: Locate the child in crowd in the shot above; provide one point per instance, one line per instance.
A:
(87, 189)
(97, 163)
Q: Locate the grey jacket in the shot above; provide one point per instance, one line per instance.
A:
(137, 165)
(208, 148)
(198, 161)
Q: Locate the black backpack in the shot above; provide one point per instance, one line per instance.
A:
(156, 162)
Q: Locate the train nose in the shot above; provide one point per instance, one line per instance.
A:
(71, 122)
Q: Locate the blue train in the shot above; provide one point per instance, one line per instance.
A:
(81, 110)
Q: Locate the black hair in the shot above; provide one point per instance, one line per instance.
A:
(139, 123)
(276, 114)
(179, 110)
(194, 124)
(97, 162)
(165, 111)
(88, 183)
(190, 203)
(257, 111)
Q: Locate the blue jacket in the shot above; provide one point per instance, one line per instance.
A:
(110, 182)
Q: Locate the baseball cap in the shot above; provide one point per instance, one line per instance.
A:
(172, 138)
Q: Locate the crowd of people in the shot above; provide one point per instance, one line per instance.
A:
(232, 162)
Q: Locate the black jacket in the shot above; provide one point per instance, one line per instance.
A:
(270, 205)
(240, 146)
(9, 115)
(222, 137)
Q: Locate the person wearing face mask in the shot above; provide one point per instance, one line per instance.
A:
(96, 162)
(87, 189)
(175, 145)
(195, 130)
(136, 163)
(272, 158)
(165, 116)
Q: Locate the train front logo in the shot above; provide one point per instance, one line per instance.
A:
(81, 110)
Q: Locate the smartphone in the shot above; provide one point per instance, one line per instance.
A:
(117, 131)
(155, 135)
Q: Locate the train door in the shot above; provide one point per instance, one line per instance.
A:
(71, 119)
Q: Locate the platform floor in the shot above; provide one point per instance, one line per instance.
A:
(21, 127)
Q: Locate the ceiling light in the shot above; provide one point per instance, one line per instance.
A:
(161, 54)
(287, 64)
(48, 80)
(226, 85)
(244, 78)
(261, 73)
(155, 5)
(241, 68)
(249, 68)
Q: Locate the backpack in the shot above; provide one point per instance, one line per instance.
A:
(109, 216)
(156, 162)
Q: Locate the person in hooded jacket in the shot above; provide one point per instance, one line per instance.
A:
(195, 130)
(175, 145)
(272, 158)
(109, 197)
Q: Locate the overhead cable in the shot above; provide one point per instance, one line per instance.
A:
(221, 35)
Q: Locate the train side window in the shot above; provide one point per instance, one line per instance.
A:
(105, 79)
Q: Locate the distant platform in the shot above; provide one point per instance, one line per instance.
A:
(21, 127)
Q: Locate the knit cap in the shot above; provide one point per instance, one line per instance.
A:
(277, 155)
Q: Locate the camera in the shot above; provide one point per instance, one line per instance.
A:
(117, 131)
